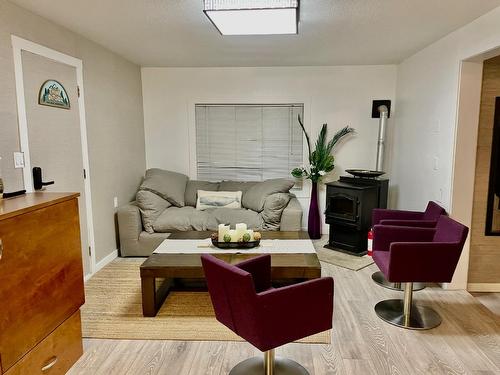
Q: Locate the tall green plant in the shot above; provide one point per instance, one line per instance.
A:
(321, 160)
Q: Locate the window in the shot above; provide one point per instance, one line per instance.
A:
(248, 142)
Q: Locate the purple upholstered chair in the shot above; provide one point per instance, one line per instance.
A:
(245, 302)
(426, 219)
(412, 254)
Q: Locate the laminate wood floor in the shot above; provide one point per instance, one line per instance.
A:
(490, 300)
(467, 342)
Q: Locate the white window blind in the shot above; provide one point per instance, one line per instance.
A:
(248, 142)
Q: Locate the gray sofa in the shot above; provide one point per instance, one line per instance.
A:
(166, 203)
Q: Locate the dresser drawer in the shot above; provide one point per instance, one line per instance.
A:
(41, 277)
(56, 353)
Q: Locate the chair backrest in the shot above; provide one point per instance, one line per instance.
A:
(433, 211)
(232, 293)
(449, 230)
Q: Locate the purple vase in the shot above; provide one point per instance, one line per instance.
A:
(313, 222)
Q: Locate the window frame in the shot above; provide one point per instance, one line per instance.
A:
(302, 191)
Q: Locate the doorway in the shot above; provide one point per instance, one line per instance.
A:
(54, 138)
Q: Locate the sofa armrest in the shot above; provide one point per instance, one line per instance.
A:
(260, 268)
(410, 223)
(423, 261)
(129, 226)
(385, 235)
(291, 219)
(379, 214)
(295, 311)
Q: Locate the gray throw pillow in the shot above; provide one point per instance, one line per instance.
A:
(151, 207)
(256, 195)
(192, 188)
(242, 186)
(171, 186)
(185, 218)
(232, 216)
(273, 210)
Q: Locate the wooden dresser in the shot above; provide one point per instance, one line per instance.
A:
(41, 284)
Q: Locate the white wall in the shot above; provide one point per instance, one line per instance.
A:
(114, 116)
(427, 95)
(339, 96)
(426, 117)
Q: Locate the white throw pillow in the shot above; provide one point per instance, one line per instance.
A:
(218, 199)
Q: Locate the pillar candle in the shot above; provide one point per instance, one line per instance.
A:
(234, 235)
(223, 230)
(241, 229)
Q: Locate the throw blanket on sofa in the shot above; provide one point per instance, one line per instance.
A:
(205, 246)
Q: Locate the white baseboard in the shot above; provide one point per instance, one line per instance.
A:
(483, 287)
(106, 260)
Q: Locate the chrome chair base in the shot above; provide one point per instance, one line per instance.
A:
(255, 366)
(380, 279)
(420, 317)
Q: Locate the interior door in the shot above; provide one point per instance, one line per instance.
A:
(54, 134)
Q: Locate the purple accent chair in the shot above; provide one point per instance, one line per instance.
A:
(408, 255)
(426, 219)
(245, 302)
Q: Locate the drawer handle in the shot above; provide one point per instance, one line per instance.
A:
(49, 365)
(1, 249)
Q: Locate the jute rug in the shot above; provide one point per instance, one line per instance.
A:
(340, 259)
(113, 310)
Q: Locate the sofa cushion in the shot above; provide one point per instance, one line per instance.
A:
(242, 186)
(231, 216)
(151, 206)
(218, 199)
(273, 210)
(175, 219)
(256, 195)
(171, 186)
(192, 188)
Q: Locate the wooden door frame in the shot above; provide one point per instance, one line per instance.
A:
(19, 45)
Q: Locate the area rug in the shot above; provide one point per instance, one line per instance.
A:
(113, 310)
(340, 259)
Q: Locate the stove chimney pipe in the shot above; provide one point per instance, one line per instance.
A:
(384, 115)
(381, 109)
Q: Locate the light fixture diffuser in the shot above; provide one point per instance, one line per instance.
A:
(253, 17)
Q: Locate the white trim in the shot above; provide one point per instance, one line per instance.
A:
(106, 260)
(304, 192)
(19, 45)
(464, 158)
(102, 263)
(483, 287)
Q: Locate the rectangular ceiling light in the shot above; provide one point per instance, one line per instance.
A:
(253, 17)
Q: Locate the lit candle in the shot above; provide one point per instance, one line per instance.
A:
(250, 232)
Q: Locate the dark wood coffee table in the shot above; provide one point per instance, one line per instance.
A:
(161, 273)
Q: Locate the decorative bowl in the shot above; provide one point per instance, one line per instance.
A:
(364, 173)
(235, 245)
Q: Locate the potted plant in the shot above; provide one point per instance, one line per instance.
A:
(321, 162)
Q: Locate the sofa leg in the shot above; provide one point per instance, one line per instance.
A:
(406, 314)
(407, 304)
(269, 365)
(269, 362)
(379, 278)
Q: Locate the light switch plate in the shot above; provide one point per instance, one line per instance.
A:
(18, 159)
(435, 125)
(436, 163)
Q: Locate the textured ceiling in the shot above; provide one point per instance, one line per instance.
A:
(331, 32)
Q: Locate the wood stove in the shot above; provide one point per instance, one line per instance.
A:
(349, 205)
